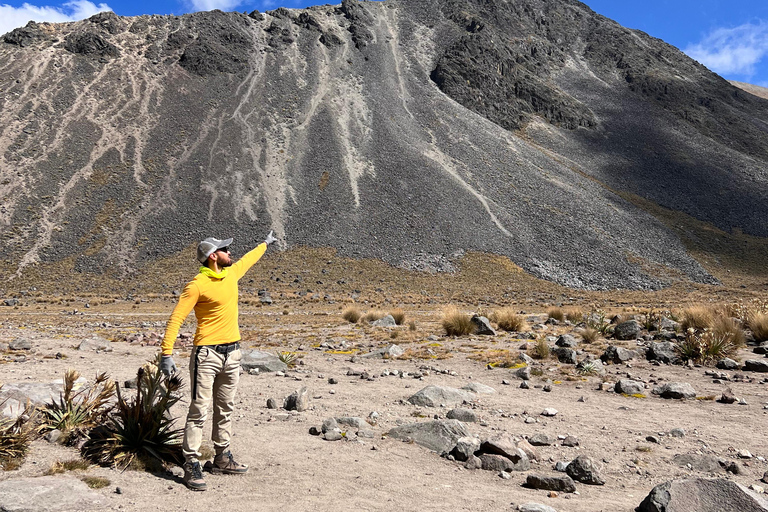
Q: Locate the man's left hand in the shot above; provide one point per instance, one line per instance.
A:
(270, 239)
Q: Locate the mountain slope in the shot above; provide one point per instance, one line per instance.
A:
(403, 130)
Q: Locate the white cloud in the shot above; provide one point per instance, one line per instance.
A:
(733, 51)
(13, 17)
(209, 5)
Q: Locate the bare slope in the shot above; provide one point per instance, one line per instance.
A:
(407, 131)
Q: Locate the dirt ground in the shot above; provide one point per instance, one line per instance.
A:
(293, 470)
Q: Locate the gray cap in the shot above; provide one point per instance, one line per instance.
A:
(208, 246)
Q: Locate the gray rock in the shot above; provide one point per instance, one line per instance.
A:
(523, 373)
(480, 389)
(95, 344)
(271, 403)
(629, 387)
(727, 364)
(440, 436)
(541, 440)
(549, 412)
(504, 446)
(465, 415)
(352, 421)
(389, 352)
(567, 341)
(20, 344)
(522, 356)
(675, 390)
(697, 462)
(328, 425)
(561, 466)
(570, 441)
(528, 449)
(385, 321)
(583, 470)
(762, 348)
(595, 364)
(482, 326)
(565, 355)
(534, 507)
(263, 361)
(333, 435)
(664, 352)
(559, 483)
(677, 432)
(524, 385)
(14, 396)
(616, 355)
(437, 396)
(48, 494)
(667, 324)
(702, 495)
(627, 330)
(465, 448)
(53, 435)
(473, 463)
(756, 365)
(314, 431)
(297, 401)
(494, 462)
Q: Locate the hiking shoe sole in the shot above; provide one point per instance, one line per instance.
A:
(196, 487)
(209, 467)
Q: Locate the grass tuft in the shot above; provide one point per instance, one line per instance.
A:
(697, 318)
(351, 314)
(590, 335)
(556, 313)
(372, 316)
(540, 349)
(508, 320)
(399, 316)
(457, 323)
(96, 482)
(758, 324)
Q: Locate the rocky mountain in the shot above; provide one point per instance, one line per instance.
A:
(407, 130)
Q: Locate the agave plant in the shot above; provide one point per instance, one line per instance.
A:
(76, 412)
(289, 358)
(140, 429)
(15, 436)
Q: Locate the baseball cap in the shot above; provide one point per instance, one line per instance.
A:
(208, 246)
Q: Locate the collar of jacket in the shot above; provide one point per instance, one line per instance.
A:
(210, 273)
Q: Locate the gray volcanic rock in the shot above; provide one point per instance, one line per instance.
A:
(438, 396)
(48, 494)
(583, 470)
(440, 436)
(559, 483)
(756, 365)
(627, 330)
(336, 126)
(263, 361)
(664, 352)
(702, 495)
(675, 390)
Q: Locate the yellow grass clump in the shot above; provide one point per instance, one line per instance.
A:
(508, 320)
(399, 316)
(457, 323)
(758, 324)
(351, 314)
(556, 313)
(697, 318)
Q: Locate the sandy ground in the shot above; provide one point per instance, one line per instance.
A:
(292, 470)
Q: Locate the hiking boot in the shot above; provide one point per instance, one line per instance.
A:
(225, 463)
(193, 476)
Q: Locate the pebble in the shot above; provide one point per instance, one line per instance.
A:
(549, 411)
(744, 454)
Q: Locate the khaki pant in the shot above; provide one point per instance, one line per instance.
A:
(217, 377)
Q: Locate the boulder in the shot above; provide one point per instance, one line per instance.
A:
(465, 415)
(529, 451)
(262, 361)
(702, 495)
(727, 364)
(534, 507)
(482, 326)
(697, 462)
(522, 356)
(440, 436)
(465, 448)
(675, 390)
(48, 494)
(583, 470)
(523, 373)
(498, 463)
(565, 355)
(628, 330)
(385, 321)
(558, 483)
(630, 387)
(439, 396)
(667, 324)
(480, 389)
(567, 341)
(663, 352)
(20, 344)
(297, 401)
(14, 396)
(541, 440)
(595, 366)
(616, 355)
(756, 365)
(95, 345)
(389, 352)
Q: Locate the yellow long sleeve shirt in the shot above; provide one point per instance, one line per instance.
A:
(214, 300)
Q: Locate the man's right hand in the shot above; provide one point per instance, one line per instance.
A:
(167, 366)
(270, 239)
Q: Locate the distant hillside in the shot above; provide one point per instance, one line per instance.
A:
(406, 130)
(761, 92)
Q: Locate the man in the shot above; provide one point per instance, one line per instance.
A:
(214, 366)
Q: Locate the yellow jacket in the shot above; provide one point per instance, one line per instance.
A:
(214, 299)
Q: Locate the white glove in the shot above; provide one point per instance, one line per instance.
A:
(270, 239)
(167, 366)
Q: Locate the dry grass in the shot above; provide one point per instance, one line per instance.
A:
(456, 323)
(372, 316)
(425, 352)
(574, 315)
(727, 327)
(758, 324)
(497, 358)
(590, 335)
(556, 313)
(412, 325)
(351, 314)
(697, 317)
(68, 465)
(96, 482)
(399, 316)
(508, 320)
(540, 349)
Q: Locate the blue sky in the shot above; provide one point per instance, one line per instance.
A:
(729, 37)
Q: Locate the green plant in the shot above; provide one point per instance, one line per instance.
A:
(540, 349)
(74, 413)
(351, 314)
(596, 320)
(399, 316)
(140, 430)
(289, 358)
(457, 323)
(705, 347)
(651, 320)
(556, 314)
(508, 320)
(587, 368)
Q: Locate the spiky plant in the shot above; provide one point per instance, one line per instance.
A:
(76, 412)
(140, 430)
(587, 368)
(289, 358)
(15, 436)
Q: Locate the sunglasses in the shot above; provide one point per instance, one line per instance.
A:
(223, 249)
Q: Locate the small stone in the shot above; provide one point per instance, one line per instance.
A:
(271, 403)
(549, 412)
(652, 439)
(560, 466)
(530, 420)
(547, 388)
(314, 431)
(118, 490)
(524, 385)
(333, 435)
(53, 436)
(744, 454)
(333, 380)
(677, 432)
(504, 475)
(570, 441)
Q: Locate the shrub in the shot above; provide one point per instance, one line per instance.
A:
(508, 320)
(74, 413)
(540, 350)
(351, 314)
(556, 313)
(140, 430)
(725, 326)
(399, 316)
(372, 316)
(697, 317)
(457, 323)
(705, 347)
(587, 368)
(596, 320)
(589, 335)
(15, 436)
(758, 324)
